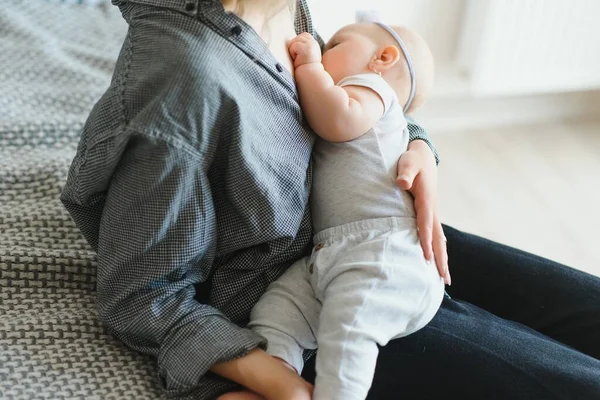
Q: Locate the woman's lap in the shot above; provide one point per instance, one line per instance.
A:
(556, 300)
(469, 352)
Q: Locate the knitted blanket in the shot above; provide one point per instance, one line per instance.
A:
(56, 60)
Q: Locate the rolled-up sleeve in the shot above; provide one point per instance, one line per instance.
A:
(416, 132)
(156, 241)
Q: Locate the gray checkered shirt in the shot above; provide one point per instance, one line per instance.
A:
(191, 182)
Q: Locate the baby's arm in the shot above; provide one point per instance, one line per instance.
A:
(337, 114)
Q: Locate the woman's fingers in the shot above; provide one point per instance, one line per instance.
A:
(411, 178)
(407, 171)
(417, 173)
(425, 216)
(440, 251)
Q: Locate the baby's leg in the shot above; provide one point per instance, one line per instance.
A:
(375, 292)
(287, 315)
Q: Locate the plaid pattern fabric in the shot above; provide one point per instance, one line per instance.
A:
(227, 207)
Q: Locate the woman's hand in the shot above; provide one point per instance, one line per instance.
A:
(417, 173)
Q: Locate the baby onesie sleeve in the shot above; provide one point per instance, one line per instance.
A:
(375, 83)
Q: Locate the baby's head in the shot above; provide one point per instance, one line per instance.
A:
(368, 47)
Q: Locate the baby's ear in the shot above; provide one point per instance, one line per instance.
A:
(387, 57)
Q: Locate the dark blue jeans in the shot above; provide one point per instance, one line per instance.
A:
(517, 326)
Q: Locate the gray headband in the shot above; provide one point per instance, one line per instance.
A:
(373, 17)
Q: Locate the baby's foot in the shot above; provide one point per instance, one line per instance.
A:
(241, 396)
(295, 389)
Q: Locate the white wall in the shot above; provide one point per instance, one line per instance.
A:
(520, 47)
(438, 21)
(455, 28)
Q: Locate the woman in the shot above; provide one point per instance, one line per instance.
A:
(191, 182)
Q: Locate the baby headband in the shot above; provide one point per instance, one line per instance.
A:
(373, 17)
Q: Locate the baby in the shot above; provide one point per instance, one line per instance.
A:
(367, 280)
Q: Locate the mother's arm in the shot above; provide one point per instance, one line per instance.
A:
(156, 241)
(417, 173)
(417, 132)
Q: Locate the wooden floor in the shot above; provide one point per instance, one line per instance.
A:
(536, 188)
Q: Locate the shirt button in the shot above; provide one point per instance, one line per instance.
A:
(236, 30)
(279, 67)
(190, 7)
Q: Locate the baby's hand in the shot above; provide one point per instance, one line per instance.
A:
(304, 49)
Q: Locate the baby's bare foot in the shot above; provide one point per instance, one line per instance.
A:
(294, 389)
(241, 396)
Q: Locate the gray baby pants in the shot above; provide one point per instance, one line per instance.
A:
(365, 283)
